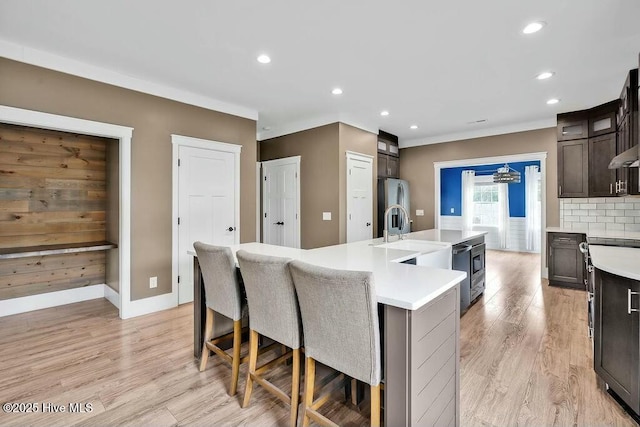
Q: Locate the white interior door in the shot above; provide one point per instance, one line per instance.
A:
(359, 197)
(206, 206)
(281, 202)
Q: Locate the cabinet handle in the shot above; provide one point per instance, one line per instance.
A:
(629, 293)
(610, 188)
(560, 190)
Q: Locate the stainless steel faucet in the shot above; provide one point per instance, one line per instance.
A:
(385, 232)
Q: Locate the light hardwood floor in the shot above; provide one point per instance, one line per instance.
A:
(525, 360)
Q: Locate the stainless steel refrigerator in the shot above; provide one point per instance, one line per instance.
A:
(393, 191)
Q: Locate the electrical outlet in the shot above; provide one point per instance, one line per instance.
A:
(153, 282)
(453, 210)
(326, 216)
(419, 212)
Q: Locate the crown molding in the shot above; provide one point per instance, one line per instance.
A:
(479, 133)
(66, 65)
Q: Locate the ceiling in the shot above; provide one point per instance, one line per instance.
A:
(438, 65)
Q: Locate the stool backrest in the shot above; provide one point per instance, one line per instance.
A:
(271, 296)
(339, 319)
(221, 285)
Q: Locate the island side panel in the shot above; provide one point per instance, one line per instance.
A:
(422, 371)
(199, 309)
(396, 366)
(433, 361)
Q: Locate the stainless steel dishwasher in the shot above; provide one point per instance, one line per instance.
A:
(462, 262)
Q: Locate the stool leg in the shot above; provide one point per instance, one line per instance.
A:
(375, 406)
(309, 380)
(354, 391)
(253, 360)
(295, 387)
(235, 364)
(208, 332)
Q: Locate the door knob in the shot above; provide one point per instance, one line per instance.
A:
(368, 224)
(231, 229)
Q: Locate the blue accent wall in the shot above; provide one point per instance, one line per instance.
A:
(451, 188)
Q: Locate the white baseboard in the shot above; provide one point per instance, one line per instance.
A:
(50, 299)
(112, 296)
(70, 296)
(149, 305)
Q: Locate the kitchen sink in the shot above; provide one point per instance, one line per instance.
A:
(421, 246)
(431, 254)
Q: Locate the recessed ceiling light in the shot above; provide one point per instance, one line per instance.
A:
(545, 75)
(534, 27)
(264, 59)
(337, 91)
(384, 113)
(414, 126)
(553, 101)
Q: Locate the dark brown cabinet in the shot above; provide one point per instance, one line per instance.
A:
(388, 166)
(574, 125)
(388, 155)
(388, 144)
(602, 119)
(617, 335)
(602, 180)
(573, 168)
(627, 118)
(565, 261)
(583, 163)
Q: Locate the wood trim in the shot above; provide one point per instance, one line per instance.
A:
(123, 134)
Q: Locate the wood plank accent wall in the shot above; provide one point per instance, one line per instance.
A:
(52, 191)
(36, 275)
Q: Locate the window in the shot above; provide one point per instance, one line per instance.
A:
(485, 204)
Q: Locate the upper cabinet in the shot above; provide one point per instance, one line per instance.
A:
(589, 139)
(574, 125)
(602, 119)
(573, 166)
(627, 119)
(388, 144)
(388, 155)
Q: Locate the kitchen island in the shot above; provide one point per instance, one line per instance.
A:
(616, 280)
(420, 318)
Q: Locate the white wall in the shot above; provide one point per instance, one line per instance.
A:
(517, 228)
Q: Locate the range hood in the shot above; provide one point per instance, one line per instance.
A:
(626, 159)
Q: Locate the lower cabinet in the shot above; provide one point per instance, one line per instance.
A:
(388, 166)
(565, 261)
(617, 335)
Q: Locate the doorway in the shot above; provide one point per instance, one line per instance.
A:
(281, 202)
(208, 194)
(520, 235)
(359, 197)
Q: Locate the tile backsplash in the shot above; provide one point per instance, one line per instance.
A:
(602, 213)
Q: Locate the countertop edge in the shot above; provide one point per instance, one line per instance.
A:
(598, 252)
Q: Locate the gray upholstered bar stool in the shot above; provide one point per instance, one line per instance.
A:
(340, 325)
(273, 313)
(222, 295)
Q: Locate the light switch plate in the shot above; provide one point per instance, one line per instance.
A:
(419, 212)
(453, 210)
(326, 216)
(153, 282)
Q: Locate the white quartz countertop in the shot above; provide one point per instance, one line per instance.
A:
(621, 261)
(604, 234)
(448, 236)
(401, 285)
